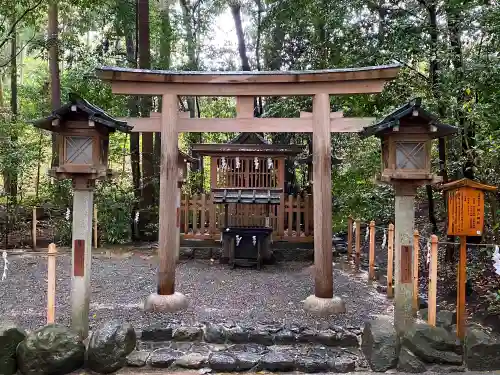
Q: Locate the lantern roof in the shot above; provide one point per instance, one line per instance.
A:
(412, 110)
(466, 182)
(93, 112)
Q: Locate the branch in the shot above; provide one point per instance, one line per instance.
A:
(13, 27)
(412, 68)
(5, 63)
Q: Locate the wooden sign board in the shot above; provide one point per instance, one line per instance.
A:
(465, 212)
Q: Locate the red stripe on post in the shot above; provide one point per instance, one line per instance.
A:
(79, 258)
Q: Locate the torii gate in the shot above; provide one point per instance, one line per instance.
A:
(245, 86)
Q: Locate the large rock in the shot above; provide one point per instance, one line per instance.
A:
(215, 333)
(192, 361)
(223, 361)
(444, 318)
(186, 333)
(482, 350)
(50, 350)
(157, 332)
(409, 362)
(109, 346)
(380, 344)
(277, 362)
(138, 358)
(433, 344)
(10, 337)
(164, 357)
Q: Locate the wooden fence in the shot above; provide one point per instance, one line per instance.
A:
(292, 220)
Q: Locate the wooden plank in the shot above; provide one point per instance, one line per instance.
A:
(281, 207)
(322, 189)
(374, 86)
(405, 264)
(79, 258)
(211, 216)
(349, 238)
(244, 78)
(298, 215)
(244, 106)
(338, 114)
(461, 280)
(34, 223)
(290, 216)
(371, 253)
(390, 261)
(268, 125)
(433, 282)
(357, 259)
(96, 237)
(51, 284)
(203, 212)
(186, 213)
(194, 208)
(307, 208)
(167, 248)
(416, 262)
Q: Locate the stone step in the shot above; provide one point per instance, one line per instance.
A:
(265, 334)
(244, 357)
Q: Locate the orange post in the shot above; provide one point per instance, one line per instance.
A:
(433, 281)
(461, 280)
(349, 238)
(371, 254)
(390, 260)
(416, 258)
(33, 228)
(51, 284)
(358, 246)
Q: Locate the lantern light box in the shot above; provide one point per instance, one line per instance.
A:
(83, 132)
(466, 207)
(406, 136)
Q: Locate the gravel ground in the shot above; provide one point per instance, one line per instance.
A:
(216, 293)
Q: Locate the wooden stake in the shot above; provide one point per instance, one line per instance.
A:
(416, 261)
(33, 228)
(349, 238)
(433, 281)
(95, 227)
(51, 284)
(390, 260)
(371, 254)
(357, 259)
(461, 280)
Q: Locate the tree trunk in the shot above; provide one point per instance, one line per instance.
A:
(260, 10)
(133, 109)
(11, 181)
(147, 138)
(55, 83)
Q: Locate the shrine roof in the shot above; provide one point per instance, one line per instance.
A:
(94, 113)
(412, 109)
(109, 73)
(222, 149)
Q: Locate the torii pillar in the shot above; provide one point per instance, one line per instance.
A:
(167, 299)
(322, 302)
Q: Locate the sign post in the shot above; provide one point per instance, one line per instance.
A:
(465, 218)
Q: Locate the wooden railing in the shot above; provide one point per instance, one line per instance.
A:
(292, 220)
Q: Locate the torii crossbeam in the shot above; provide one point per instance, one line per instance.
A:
(245, 86)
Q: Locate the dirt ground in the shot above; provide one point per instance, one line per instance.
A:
(122, 280)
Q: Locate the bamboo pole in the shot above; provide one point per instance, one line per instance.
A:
(371, 254)
(33, 228)
(416, 261)
(349, 239)
(390, 260)
(358, 246)
(51, 284)
(461, 280)
(95, 227)
(433, 281)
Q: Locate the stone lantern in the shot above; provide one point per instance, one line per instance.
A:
(83, 138)
(406, 136)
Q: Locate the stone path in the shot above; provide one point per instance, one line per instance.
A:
(215, 292)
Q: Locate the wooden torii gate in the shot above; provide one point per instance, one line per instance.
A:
(245, 86)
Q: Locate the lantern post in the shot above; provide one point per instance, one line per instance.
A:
(465, 218)
(406, 136)
(83, 133)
